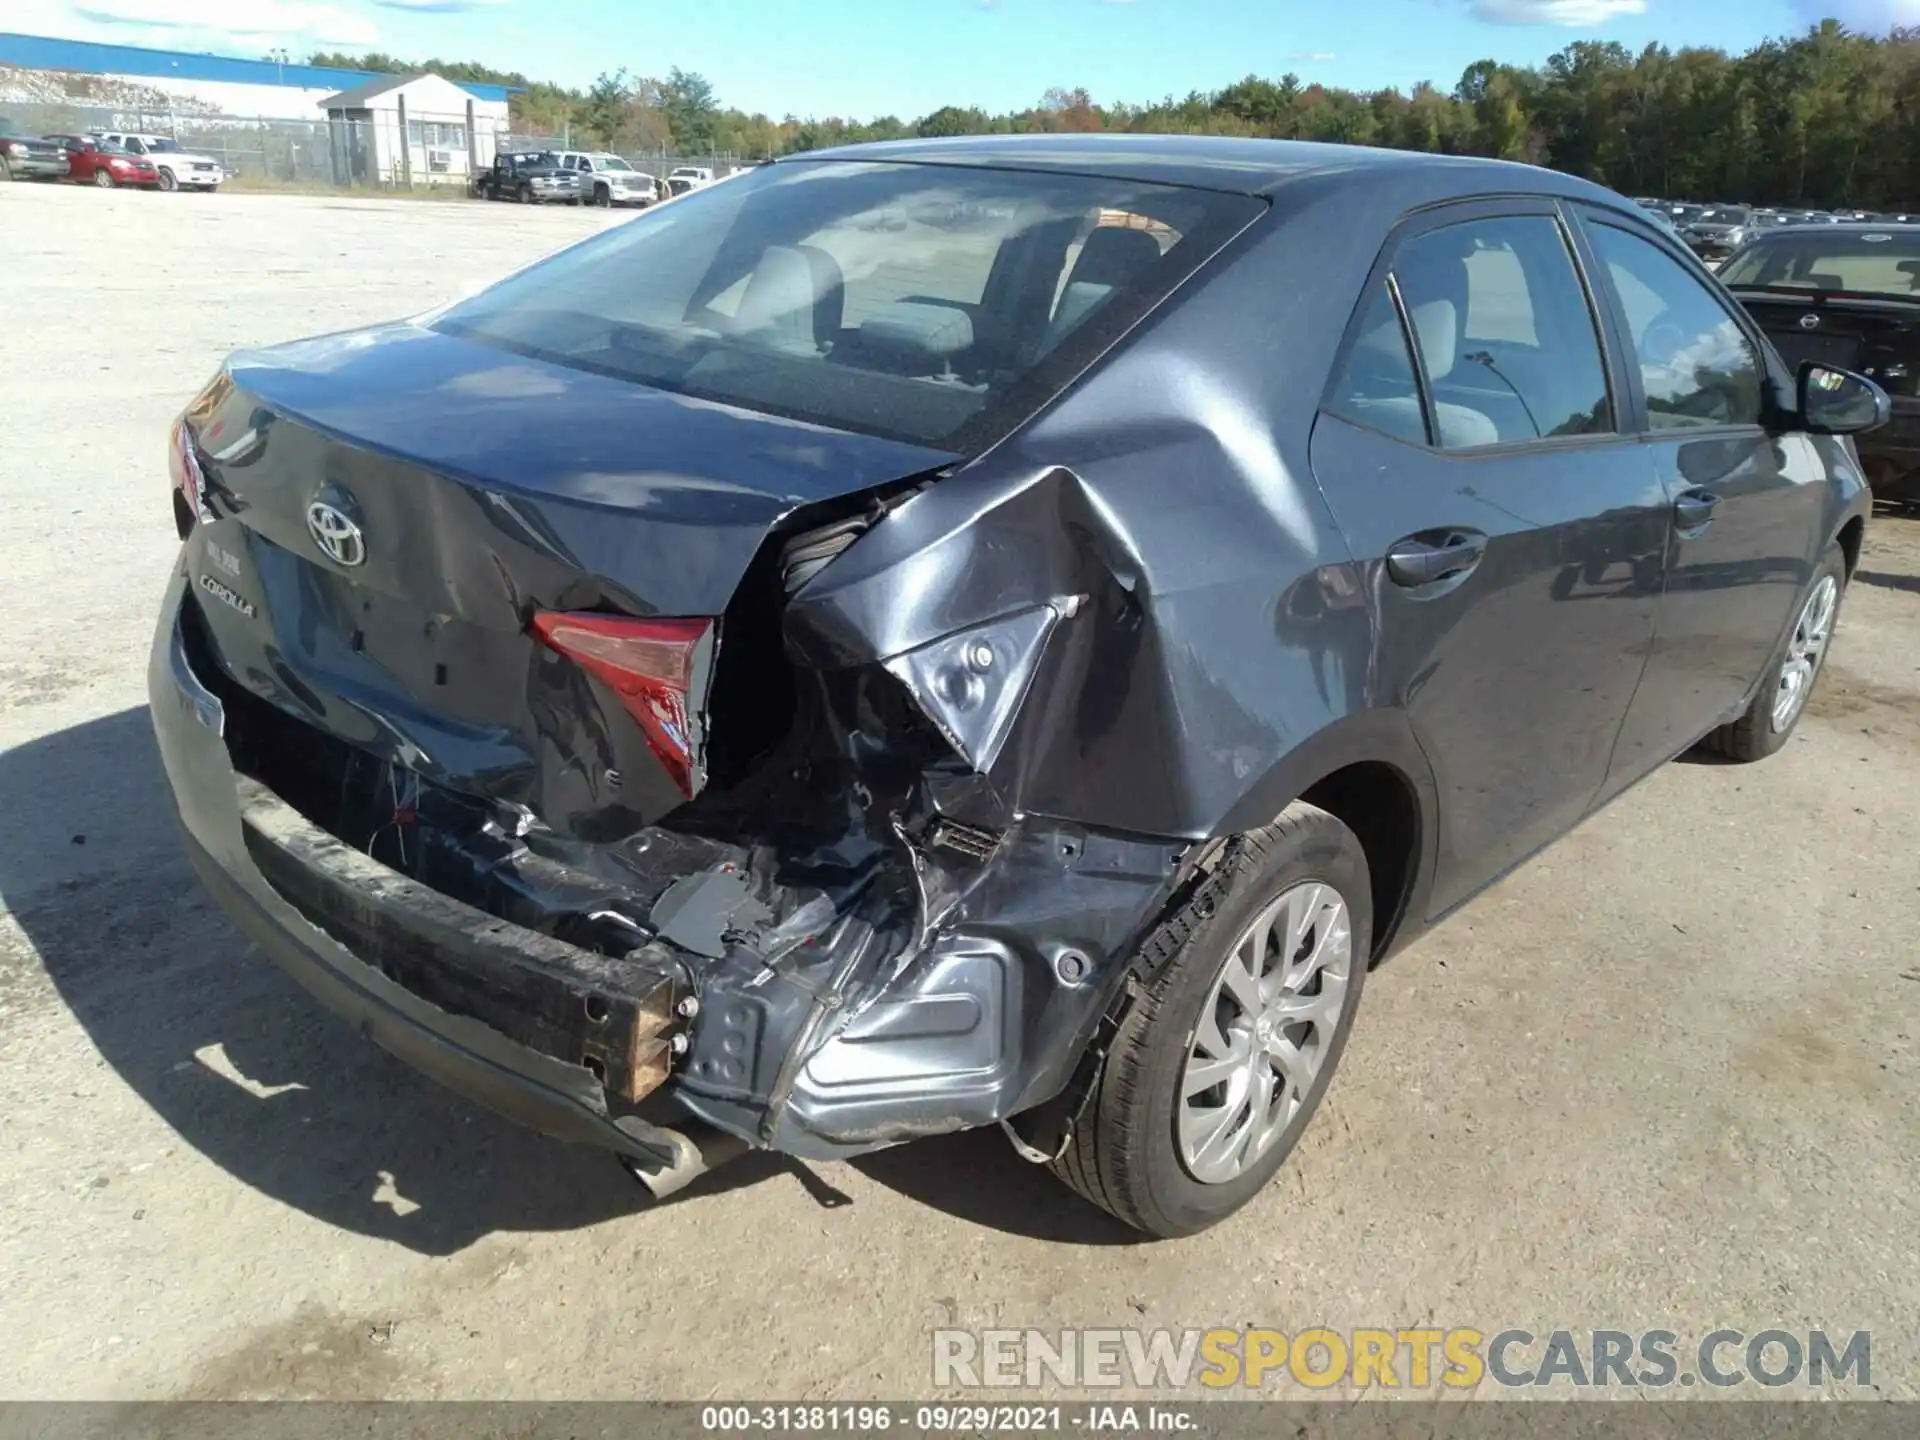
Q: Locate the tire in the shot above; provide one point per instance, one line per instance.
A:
(603, 197)
(104, 179)
(6, 170)
(1763, 730)
(167, 180)
(1126, 1154)
(526, 195)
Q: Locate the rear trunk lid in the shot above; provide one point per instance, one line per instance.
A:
(482, 490)
(1877, 336)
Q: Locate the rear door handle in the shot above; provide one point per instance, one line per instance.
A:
(1433, 556)
(1693, 510)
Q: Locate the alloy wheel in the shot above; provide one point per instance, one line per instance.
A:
(1264, 1032)
(1804, 652)
(103, 178)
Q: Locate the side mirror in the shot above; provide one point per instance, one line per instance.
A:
(1833, 401)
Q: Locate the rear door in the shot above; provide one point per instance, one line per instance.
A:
(1512, 533)
(1745, 502)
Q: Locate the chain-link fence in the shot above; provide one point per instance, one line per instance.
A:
(658, 163)
(350, 150)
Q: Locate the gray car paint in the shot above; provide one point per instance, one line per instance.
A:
(1183, 565)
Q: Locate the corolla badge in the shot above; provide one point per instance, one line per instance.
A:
(336, 533)
(1809, 321)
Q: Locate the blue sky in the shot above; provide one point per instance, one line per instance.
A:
(906, 57)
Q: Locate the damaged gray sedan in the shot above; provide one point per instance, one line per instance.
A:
(977, 632)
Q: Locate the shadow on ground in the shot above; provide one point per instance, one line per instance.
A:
(1909, 583)
(256, 1076)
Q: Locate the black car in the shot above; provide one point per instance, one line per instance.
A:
(769, 677)
(530, 177)
(29, 157)
(1847, 295)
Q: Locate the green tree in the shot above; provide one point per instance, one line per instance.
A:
(691, 109)
(952, 120)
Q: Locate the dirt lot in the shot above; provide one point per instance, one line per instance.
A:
(1666, 1076)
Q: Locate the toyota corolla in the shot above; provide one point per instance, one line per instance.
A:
(959, 633)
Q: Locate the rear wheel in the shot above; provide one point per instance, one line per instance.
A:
(167, 180)
(104, 179)
(1220, 1064)
(1782, 698)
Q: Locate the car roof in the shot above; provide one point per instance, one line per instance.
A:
(1218, 162)
(1844, 227)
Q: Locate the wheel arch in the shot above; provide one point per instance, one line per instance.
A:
(1851, 536)
(1369, 771)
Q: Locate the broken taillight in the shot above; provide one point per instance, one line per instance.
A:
(189, 484)
(651, 665)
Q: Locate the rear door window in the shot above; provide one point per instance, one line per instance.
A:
(1506, 336)
(1696, 364)
(1377, 386)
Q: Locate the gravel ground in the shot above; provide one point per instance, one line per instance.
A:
(1664, 1077)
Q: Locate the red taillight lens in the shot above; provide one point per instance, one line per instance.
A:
(183, 467)
(650, 665)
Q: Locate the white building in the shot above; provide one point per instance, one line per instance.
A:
(411, 130)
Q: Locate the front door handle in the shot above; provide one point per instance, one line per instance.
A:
(1693, 510)
(1429, 558)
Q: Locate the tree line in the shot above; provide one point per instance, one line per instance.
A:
(1826, 118)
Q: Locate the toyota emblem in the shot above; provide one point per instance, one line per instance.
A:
(1809, 321)
(336, 533)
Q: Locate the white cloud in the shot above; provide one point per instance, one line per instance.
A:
(1555, 12)
(1874, 17)
(197, 24)
(438, 7)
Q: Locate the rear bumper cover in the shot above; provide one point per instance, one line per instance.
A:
(1891, 454)
(836, 1049)
(535, 1089)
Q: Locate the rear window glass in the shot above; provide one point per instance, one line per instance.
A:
(1876, 262)
(924, 302)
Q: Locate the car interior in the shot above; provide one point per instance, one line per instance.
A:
(795, 326)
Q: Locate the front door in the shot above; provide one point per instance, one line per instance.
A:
(1746, 503)
(1513, 536)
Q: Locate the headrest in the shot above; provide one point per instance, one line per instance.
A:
(1437, 324)
(787, 290)
(919, 328)
(1114, 255)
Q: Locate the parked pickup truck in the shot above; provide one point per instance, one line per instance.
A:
(179, 169)
(531, 177)
(606, 179)
(685, 178)
(28, 157)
